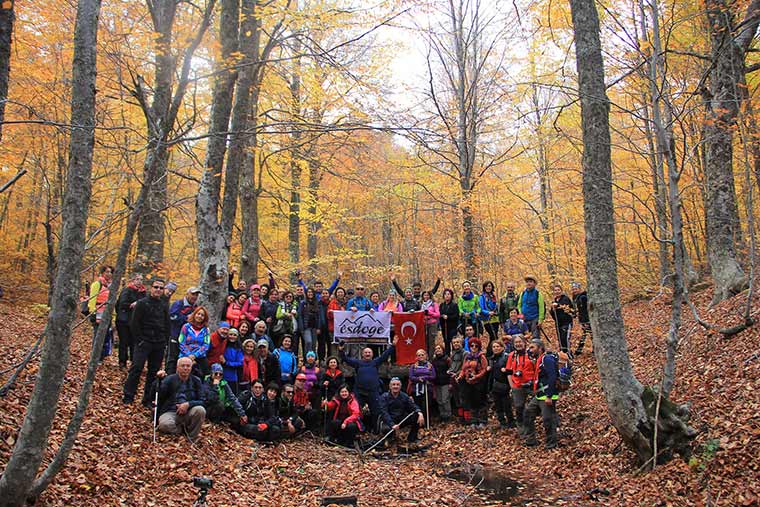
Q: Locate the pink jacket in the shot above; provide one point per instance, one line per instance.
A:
(251, 309)
(433, 313)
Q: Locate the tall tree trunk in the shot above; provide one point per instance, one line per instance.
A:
(213, 245)
(296, 164)
(250, 189)
(662, 116)
(33, 438)
(629, 405)
(728, 52)
(7, 17)
(250, 184)
(150, 233)
(658, 191)
(314, 222)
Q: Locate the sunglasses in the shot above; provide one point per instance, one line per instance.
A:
(158, 286)
(288, 392)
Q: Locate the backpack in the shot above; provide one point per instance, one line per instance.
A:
(84, 304)
(564, 373)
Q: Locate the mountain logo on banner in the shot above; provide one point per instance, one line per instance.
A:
(365, 325)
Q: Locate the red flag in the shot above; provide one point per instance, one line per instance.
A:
(410, 329)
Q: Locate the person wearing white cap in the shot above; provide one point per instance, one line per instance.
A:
(269, 365)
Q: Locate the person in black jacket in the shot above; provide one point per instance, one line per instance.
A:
(263, 412)
(500, 390)
(395, 406)
(562, 312)
(181, 401)
(130, 295)
(409, 304)
(416, 288)
(545, 397)
(442, 383)
(449, 318)
(269, 365)
(150, 331)
(580, 300)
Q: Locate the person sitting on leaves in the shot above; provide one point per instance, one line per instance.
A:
(421, 377)
(344, 417)
(303, 404)
(367, 378)
(181, 401)
(263, 411)
(221, 403)
(395, 410)
(289, 415)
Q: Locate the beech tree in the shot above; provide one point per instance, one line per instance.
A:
(7, 17)
(729, 44)
(646, 420)
(160, 107)
(32, 440)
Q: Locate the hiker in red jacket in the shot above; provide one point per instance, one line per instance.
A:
(345, 417)
(218, 343)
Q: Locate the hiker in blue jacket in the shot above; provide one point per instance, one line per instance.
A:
(545, 397)
(367, 383)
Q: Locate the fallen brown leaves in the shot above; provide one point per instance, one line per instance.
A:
(115, 463)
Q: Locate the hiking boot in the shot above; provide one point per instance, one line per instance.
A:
(550, 445)
(127, 400)
(503, 425)
(511, 424)
(531, 442)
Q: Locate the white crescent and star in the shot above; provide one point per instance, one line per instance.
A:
(409, 324)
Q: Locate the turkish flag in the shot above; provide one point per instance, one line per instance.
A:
(410, 329)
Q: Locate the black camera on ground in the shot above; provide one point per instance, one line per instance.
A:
(203, 483)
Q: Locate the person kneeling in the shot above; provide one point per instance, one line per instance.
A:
(181, 399)
(262, 411)
(345, 417)
(222, 405)
(396, 408)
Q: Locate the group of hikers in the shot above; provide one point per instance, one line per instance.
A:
(271, 369)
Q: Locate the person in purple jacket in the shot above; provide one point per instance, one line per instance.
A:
(421, 377)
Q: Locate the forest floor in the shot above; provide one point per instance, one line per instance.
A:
(115, 462)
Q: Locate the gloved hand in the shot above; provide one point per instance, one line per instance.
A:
(263, 426)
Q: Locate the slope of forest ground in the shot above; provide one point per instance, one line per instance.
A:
(115, 463)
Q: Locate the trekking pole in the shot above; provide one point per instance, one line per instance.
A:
(545, 335)
(155, 409)
(389, 433)
(427, 409)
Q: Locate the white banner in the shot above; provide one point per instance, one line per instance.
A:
(362, 327)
